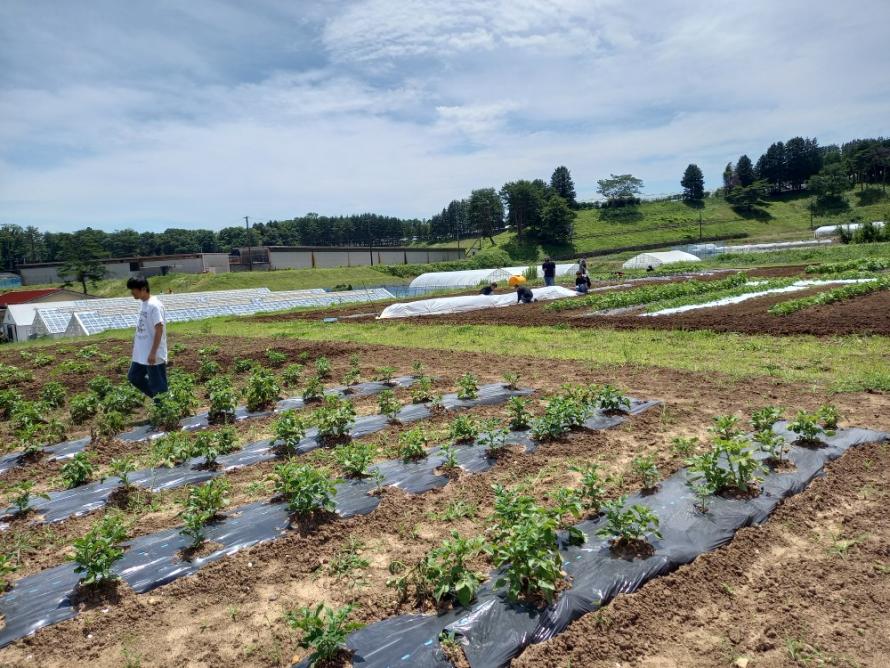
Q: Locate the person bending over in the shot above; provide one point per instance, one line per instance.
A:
(524, 295)
(582, 282)
(488, 289)
(148, 369)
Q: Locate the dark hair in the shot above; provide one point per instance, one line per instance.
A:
(494, 285)
(138, 283)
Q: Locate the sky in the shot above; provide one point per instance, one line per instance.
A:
(118, 113)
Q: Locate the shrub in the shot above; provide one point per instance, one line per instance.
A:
(354, 373)
(511, 380)
(123, 399)
(6, 568)
(314, 390)
(276, 358)
(243, 365)
(422, 390)
(384, 374)
(223, 400)
(517, 409)
(468, 387)
(412, 444)
(30, 441)
(53, 394)
(78, 470)
(98, 550)
(593, 488)
(829, 417)
(20, 496)
(202, 504)
(324, 630)
(628, 525)
(8, 399)
(524, 545)
(304, 488)
(355, 458)
(262, 390)
(728, 466)
(646, 469)
(611, 400)
(172, 449)
(334, 418)
(83, 407)
(291, 375)
(121, 468)
(323, 367)
(165, 412)
(211, 444)
(108, 425)
(443, 572)
(389, 405)
(100, 386)
(26, 414)
(807, 427)
(764, 418)
(463, 428)
(493, 437)
(289, 429)
(726, 427)
(684, 445)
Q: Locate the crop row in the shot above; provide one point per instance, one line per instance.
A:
(858, 265)
(831, 296)
(647, 294)
(747, 288)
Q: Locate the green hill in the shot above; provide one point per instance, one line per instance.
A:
(674, 223)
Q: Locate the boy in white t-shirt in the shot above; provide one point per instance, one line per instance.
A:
(148, 370)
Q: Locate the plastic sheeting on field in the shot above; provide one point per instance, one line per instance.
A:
(655, 260)
(493, 630)
(448, 305)
(831, 230)
(155, 559)
(471, 278)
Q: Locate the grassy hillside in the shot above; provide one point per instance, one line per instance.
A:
(674, 223)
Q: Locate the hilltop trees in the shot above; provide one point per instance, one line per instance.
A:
(486, 212)
(562, 184)
(81, 258)
(524, 201)
(693, 183)
(619, 187)
(556, 219)
(744, 171)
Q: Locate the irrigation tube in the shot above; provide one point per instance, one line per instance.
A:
(155, 559)
(493, 630)
(145, 432)
(86, 498)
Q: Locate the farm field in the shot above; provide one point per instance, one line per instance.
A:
(304, 521)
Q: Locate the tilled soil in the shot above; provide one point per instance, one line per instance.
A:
(230, 613)
(811, 587)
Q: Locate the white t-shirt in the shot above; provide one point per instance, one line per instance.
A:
(151, 313)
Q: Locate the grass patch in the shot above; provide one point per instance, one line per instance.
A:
(844, 364)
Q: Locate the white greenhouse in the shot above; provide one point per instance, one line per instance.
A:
(655, 260)
(831, 230)
(471, 278)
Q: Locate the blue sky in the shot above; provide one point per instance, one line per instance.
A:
(195, 113)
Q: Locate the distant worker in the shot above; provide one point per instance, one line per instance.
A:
(649, 268)
(148, 369)
(524, 295)
(582, 266)
(582, 282)
(549, 269)
(488, 289)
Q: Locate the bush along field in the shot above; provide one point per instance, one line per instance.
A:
(289, 500)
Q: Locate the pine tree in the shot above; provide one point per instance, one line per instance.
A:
(563, 185)
(693, 183)
(744, 171)
(557, 219)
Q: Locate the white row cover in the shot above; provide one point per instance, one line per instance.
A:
(470, 278)
(644, 260)
(448, 305)
(831, 230)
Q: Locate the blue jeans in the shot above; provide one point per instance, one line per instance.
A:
(549, 280)
(150, 380)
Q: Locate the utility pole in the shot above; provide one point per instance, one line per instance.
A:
(699, 226)
(249, 247)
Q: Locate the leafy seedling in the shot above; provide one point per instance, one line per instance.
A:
(468, 387)
(324, 630)
(21, 496)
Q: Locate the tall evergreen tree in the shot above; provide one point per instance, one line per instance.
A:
(728, 177)
(744, 171)
(693, 183)
(563, 185)
(524, 201)
(486, 212)
(82, 258)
